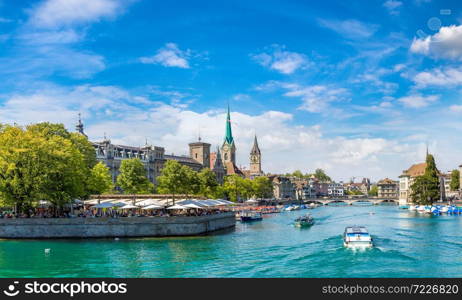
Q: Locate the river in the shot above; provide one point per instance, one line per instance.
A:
(406, 245)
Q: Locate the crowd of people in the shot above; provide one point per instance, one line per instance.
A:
(89, 212)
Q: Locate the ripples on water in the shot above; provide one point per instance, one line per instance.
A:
(406, 245)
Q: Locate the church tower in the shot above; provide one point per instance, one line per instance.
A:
(200, 152)
(79, 126)
(228, 149)
(255, 159)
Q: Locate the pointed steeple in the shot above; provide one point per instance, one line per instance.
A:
(255, 148)
(79, 126)
(229, 134)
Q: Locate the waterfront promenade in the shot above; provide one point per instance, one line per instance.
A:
(37, 228)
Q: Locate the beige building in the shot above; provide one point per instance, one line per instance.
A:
(283, 188)
(408, 177)
(387, 188)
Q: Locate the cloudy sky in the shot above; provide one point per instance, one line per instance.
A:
(355, 87)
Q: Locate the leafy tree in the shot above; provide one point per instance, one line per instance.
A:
(263, 188)
(298, 174)
(321, 175)
(21, 169)
(455, 180)
(208, 183)
(373, 191)
(192, 183)
(426, 188)
(100, 180)
(132, 178)
(354, 192)
(237, 188)
(39, 162)
(173, 178)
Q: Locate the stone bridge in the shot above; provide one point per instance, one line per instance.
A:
(353, 201)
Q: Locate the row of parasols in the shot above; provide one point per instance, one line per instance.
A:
(180, 205)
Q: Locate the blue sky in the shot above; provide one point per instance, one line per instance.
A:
(357, 88)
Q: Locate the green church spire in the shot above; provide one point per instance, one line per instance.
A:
(229, 135)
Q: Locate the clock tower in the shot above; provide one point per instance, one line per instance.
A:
(228, 149)
(255, 159)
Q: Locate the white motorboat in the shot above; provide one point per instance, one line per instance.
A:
(357, 236)
(413, 207)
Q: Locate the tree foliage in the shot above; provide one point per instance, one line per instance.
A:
(262, 187)
(426, 188)
(172, 179)
(321, 175)
(132, 178)
(40, 162)
(100, 180)
(373, 191)
(455, 180)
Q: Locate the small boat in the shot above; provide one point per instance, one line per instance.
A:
(357, 236)
(304, 221)
(250, 216)
(413, 207)
(405, 207)
(444, 209)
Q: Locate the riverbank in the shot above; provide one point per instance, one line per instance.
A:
(42, 228)
(406, 245)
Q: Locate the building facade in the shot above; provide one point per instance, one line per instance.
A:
(387, 188)
(283, 188)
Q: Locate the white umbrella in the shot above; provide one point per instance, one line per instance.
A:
(192, 205)
(152, 206)
(251, 201)
(129, 206)
(177, 206)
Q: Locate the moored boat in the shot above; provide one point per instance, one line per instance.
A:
(249, 216)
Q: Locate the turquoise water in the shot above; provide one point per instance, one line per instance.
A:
(407, 245)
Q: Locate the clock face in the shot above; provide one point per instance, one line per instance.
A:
(225, 148)
(254, 159)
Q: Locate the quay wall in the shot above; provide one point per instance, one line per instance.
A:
(114, 227)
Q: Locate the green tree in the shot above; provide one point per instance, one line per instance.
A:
(172, 179)
(39, 162)
(321, 175)
(298, 174)
(208, 183)
(132, 178)
(263, 188)
(373, 191)
(233, 187)
(426, 188)
(192, 183)
(100, 180)
(455, 180)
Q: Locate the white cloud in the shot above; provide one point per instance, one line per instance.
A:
(418, 101)
(316, 98)
(442, 77)
(127, 120)
(350, 29)
(456, 108)
(285, 62)
(446, 43)
(393, 6)
(169, 56)
(57, 13)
